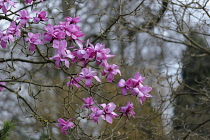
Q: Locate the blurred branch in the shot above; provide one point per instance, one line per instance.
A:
(115, 21)
(6, 18)
(195, 128)
(157, 18)
(2, 60)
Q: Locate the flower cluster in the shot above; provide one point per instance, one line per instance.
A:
(62, 53)
(68, 28)
(89, 53)
(62, 34)
(106, 112)
(136, 87)
(12, 31)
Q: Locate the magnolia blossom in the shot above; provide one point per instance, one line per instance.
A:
(65, 125)
(102, 54)
(87, 74)
(96, 113)
(108, 113)
(97, 53)
(110, 71)
(4, 38)
(74, 81)
(4, 5)
(62, 53)
(73, 31)
(88, 102)
(84, 53)
(72, 20)
(124, 85)
(63, 29)
(33, 39)
(81, 53)
(23, 17)
(143, 93)
(14, 29)
(135, 86)
(127, 110)
(49, 34)
(53, 32)
(41, 16)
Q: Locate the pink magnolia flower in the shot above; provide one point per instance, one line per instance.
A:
(4, 38)
(41, 16)
(84, 53)
(108, 114)
(65, 125)
(88, 102)
(87, 74)
(72, 20)
(59, 34)
(138, 79)
(62, 53)
(14, 29)
(102, 54)
(96, 113)
(136, 87)
(2, 83)
(23, 17)
(71, 30)
(130, 84)
(4, 5)
(125, 85)
(49, 34)
(74, 81)
(127, 110)
(33, 39)
(110, 71)
(143, 93)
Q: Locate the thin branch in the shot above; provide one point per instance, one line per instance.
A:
(2, 60)
(195, 128)
(115, 21)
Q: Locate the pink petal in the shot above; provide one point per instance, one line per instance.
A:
(57, 64)
(88, 82)
(96, 77)
(112, 106)
(109, 118)
(32, 47)
(3, 44)
(66, 63)
(121, 83)
(110, 77)
(124, 91)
